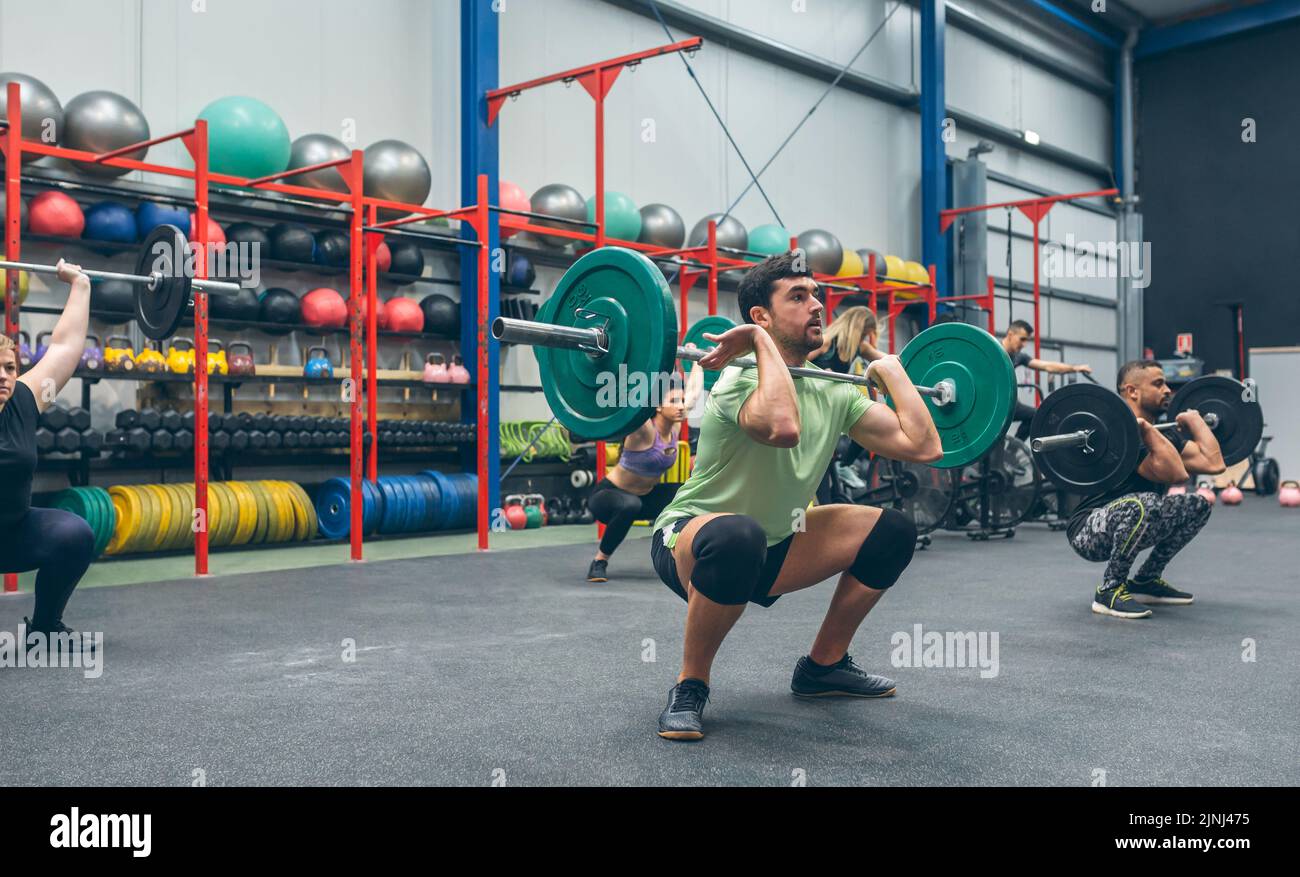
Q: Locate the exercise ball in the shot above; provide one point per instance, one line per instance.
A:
(22, 210)
(57, 214)
(243, 306)
(332, 248)
(915, 272)
(851, 265)
(519, 271)
(324, 308)
(247, 234)
(622, 219)
(823, 250)
(114, 296)
(110, 221)
(149, 215)
(662, 226)
(395, 171)
(24, 286)
(383, 257)
(216, 234)
(562, 201)
(731, 234)
(407, 259)
(896, 269)
(403, 314)
(101, 121)
(769, 240)
(865, 253)
(511, 197)
(441, 314)
(310, 149)
(291, 242)
(280, 306)
(42, 112)
(246, 138)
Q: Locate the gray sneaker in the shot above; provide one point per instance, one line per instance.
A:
(1158, 591)
(843, 679)
(1117, 602)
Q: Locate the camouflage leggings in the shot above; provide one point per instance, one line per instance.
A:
(1117, 531)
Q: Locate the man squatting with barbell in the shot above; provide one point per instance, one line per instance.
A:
(736, 532)
(1140, 514)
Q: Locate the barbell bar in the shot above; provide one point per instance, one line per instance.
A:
(163, 285)
(595, 342)
(1080, 438)
(611, 325)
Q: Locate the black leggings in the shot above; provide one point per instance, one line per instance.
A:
(57, 543)
(617, 509)
(1024, 413)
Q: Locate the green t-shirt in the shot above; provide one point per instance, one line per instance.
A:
(733, 473)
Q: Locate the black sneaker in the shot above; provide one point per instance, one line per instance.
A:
(1117, 602)
(596, 572)
(683, 718)
(1158, 591)
(59, 628)
(844, 678)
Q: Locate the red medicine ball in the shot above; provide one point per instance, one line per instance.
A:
(324, 307)
(55, 213)
(403, 314)
(383, 257)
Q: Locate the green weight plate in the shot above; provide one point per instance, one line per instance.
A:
(980, 370)
(624, 291)
(103, 517)
(159, 311)
(1112, 452)
(714, 325)
(1241, 420)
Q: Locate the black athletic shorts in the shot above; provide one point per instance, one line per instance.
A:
(664, 563)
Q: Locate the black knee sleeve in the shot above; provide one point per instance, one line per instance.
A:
(886, 551)
(729, 552)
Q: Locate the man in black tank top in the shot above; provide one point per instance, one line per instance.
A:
(58, 544)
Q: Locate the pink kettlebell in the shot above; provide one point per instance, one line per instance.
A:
(457, 372)
(1289, 495)
(1205, 492)
(1176, 490)
(1231, 494)
(435, 370)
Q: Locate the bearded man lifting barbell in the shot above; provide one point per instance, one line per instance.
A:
(739, 530)
(1115, 525)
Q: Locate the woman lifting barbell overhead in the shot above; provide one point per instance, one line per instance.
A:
(56, 543)
(739, 530)
(1114, 525)
(632, 490)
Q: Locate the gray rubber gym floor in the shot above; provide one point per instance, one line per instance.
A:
(507, 667)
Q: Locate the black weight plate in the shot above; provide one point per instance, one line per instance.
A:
(160, 311)
(1241, 420)
(1113, 447)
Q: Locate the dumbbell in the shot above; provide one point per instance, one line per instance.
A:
(304, 438)
(67, 440)
(79, 418)
(239, 440)
(218, 441)
(54, 418)
(91, 440)
(44, 440)
(184, 440)
(127, 419)
(274, 441)
(316, 438)
(262, 422)
(150, 419)
(162, 440)
(256, 439)
(289, 438)
(172, 421)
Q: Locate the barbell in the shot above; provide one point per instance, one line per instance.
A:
(1085, 438)
(163, 284)
(611, 319)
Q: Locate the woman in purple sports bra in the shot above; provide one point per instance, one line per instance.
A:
(631, 490)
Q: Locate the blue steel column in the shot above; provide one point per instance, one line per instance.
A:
(934, 177)
(479, 154)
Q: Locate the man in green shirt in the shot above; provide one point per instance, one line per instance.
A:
(740, 530)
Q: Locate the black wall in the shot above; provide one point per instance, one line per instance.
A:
(1222, 216)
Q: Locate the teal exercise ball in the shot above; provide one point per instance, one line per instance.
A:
(246, 138)
(622, 219)
(770, 240)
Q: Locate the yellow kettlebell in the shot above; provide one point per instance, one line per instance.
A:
(119, 357)
(217, 358)
(181, 359)
(150, 360)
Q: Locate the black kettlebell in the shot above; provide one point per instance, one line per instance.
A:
(586, 516)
